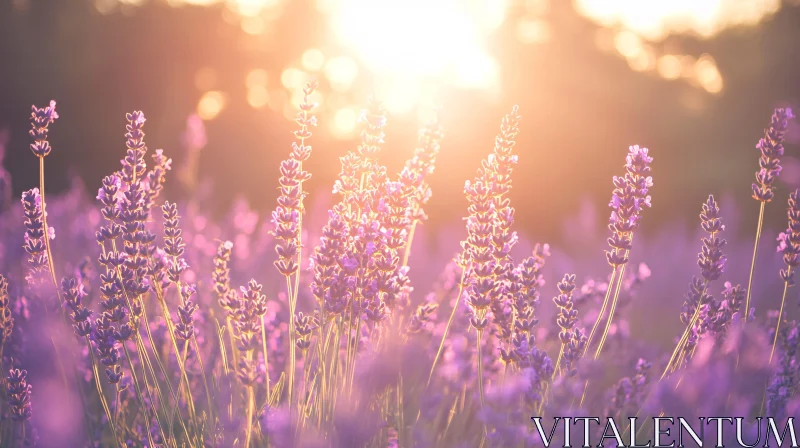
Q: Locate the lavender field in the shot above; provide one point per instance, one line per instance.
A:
(134, 314)
(130, 320)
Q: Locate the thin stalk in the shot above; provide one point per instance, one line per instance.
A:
(149, 368)
(266, 357)
(234, 349)
(407, 251)
(558, 361)
(139, 395)
(597, 325)
(354, 354)
(753, 263)
(50, 263)
(181, 366)
(145, 363)
(611, 312)
(222, 352)
(100, 392)
(780, 314)
(164, 370)
(117, 402)
(480, 367)
(682, 341)
(449, 323)
(205, 382)
(401, 425)
(602, 310)
(78, 387)
(547, 385)
(249, 412)
(292, 337)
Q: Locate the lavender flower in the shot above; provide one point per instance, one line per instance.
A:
(629, 392)
(771, 148)
(173, 242)
(156, 177)
(789, 241)
(6, 318)
(419, 167)
(247, 327)
(73, 293)
(627, 201)
(489, 239)
(567, 315)
(184, 328)
(19, 394)
(728, 311)
(106, 344)
(290, 202)
(421, 318)
(711, 259)
(133, 215)
(786, 379)
(573, 340)
(699, 309)
(34, 231)
(41, 118)
(222, 277)
(304, 325)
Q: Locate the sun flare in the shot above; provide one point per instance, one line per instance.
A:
(421, 38)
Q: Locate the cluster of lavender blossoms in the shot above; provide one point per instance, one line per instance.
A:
(340, 345)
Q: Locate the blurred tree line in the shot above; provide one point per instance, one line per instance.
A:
(581, 108)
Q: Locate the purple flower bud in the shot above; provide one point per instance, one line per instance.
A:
(19, 394)
(41, 118)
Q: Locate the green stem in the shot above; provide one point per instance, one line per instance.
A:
(682, 341)
(249, 412)
(611, 311)
(602, 310)
(449, 323)
(753, 263)
(205, 382)
(407, 251)
(780, 315)
(292, 339)
(480, 367)
(100, 392)
(266, 357)
(164, 373)
(139, 394)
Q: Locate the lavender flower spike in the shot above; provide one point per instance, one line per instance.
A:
(789, 245)
(34, 232)
(789, 241)
(19, 395)
(627, 201)
(73, 294)
(771, 148)
(6, 318)
(41, 119)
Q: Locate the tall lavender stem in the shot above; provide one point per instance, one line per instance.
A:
(771, 148)
(42, 118)
(789, 245)
(288, 220)
(627, 201)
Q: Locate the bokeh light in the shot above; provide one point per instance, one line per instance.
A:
(210, 105)
(406, 51)
(654, 20)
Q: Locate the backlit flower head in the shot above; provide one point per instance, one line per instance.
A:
(41, 118)
(771, 148)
